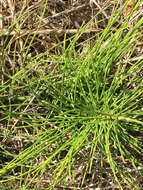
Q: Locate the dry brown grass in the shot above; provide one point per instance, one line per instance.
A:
(22, 19)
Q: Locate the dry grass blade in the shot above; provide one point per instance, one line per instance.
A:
(68, 11)
(12, 5)
(68, 99)
(22, 33)
(100, 8)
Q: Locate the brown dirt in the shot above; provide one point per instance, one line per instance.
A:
(61, 17)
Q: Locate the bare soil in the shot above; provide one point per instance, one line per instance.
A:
(61, 17)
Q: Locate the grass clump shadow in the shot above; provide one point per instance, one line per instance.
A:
(90, 104)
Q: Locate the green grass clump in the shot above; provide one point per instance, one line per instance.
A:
(88, 102)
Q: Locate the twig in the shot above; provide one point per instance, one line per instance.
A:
(45, 31)
(137, 58)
